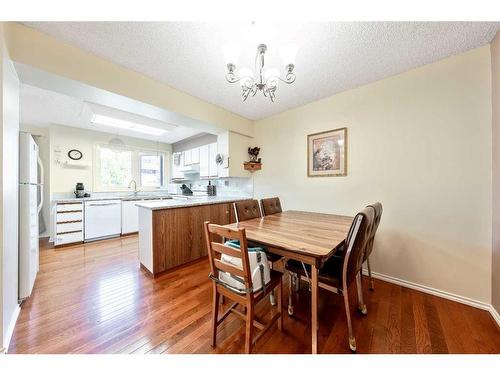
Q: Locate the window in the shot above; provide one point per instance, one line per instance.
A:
(151, 170)
(116, 166)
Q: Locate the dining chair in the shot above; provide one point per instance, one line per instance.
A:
(247, 210)
(247, 297)
(270, 206)
(338, 276)
(369, 246)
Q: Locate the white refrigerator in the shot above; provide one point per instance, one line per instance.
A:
(29, 207)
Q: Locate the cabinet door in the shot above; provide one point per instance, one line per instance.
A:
(187, 157)
(130, 217)
(195, 155)
(204, 162)
(176, 172)
(213, 172)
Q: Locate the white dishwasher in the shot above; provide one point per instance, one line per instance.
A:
(103, 219)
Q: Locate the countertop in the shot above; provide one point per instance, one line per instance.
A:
(126, 198)
(190, 202)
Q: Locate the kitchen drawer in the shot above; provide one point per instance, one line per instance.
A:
(69, 227)
(68, 216)
(69, 207)
(62, 239)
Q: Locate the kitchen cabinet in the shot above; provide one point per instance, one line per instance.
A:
(68, 223)
(212, 165)
(174, 236)
(195, 155)
(177, 172)
(187, 157)
(130, 217)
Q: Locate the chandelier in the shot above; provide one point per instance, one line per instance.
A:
(260, 80)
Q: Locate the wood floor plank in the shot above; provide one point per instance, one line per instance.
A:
(94, 298)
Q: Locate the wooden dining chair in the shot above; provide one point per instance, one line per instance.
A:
(246, 210)
(270, 206)
(369, 246)
(338, 276)
(247, 298)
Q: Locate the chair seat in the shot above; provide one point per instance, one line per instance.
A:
(329, 274)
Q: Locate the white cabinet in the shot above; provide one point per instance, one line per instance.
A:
(195, 155)
(208, 166)
(130, 216)
(187, 157)
(68, 223)
(177, 167)
(212, 165)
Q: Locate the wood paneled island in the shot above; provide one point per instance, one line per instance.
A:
(171, 232)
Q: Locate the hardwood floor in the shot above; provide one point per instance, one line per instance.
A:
(93, 298)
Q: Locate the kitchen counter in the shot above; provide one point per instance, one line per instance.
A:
(189, 201)
(105, 198)
(171, 232)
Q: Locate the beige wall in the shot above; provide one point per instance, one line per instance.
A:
(63, 179)
(419, 142)
(34, 48)
(495, 82)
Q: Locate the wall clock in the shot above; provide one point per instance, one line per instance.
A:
(75, 154)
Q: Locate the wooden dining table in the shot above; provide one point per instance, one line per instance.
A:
(308, 237)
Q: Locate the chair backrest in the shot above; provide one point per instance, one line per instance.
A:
(216, 249)
(356, 241)
(246, 210)
(376, 221)
(271, 206)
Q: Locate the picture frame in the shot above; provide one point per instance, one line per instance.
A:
(327, 153)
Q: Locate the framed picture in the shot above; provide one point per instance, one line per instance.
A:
(327, 153)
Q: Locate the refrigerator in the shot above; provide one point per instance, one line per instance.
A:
(29, 207)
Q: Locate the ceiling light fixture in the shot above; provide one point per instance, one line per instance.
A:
(127, 125)
(265, 81)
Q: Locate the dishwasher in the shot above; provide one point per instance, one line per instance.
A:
(103, 219)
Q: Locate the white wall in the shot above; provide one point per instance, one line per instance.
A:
(10, 201)
(63, 180)
(419, 142)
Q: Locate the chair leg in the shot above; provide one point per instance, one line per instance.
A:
(352, 339)
(215, 314)
(249, 328)
(296, 281)
(280, 305)
(372, 287)
(361, 303)
(290, 293)
(272, 298)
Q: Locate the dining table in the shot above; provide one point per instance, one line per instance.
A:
(308, 237)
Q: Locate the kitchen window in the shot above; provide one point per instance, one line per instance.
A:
(116, 166)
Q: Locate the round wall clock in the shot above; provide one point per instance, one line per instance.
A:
(75, 154)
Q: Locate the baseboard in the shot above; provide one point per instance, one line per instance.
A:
(10, 330)
(494, 313)
(438, 293)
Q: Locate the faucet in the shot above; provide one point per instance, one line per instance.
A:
(135, 186)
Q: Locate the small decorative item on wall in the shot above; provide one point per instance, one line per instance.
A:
(254, 163)
(327, 153)
(75, 154)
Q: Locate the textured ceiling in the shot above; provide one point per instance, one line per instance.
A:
(39, 107)
(332, 57)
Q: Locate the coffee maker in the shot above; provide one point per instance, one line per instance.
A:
(79, 190)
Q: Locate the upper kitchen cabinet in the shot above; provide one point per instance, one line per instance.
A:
(208, 164)
(177, 166)
(233, 148)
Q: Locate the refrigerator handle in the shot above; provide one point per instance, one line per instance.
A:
(39, 161)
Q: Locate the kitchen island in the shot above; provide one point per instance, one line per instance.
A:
(171, 231)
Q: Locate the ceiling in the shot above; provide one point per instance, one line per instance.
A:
(40, 107)
(332, 57)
